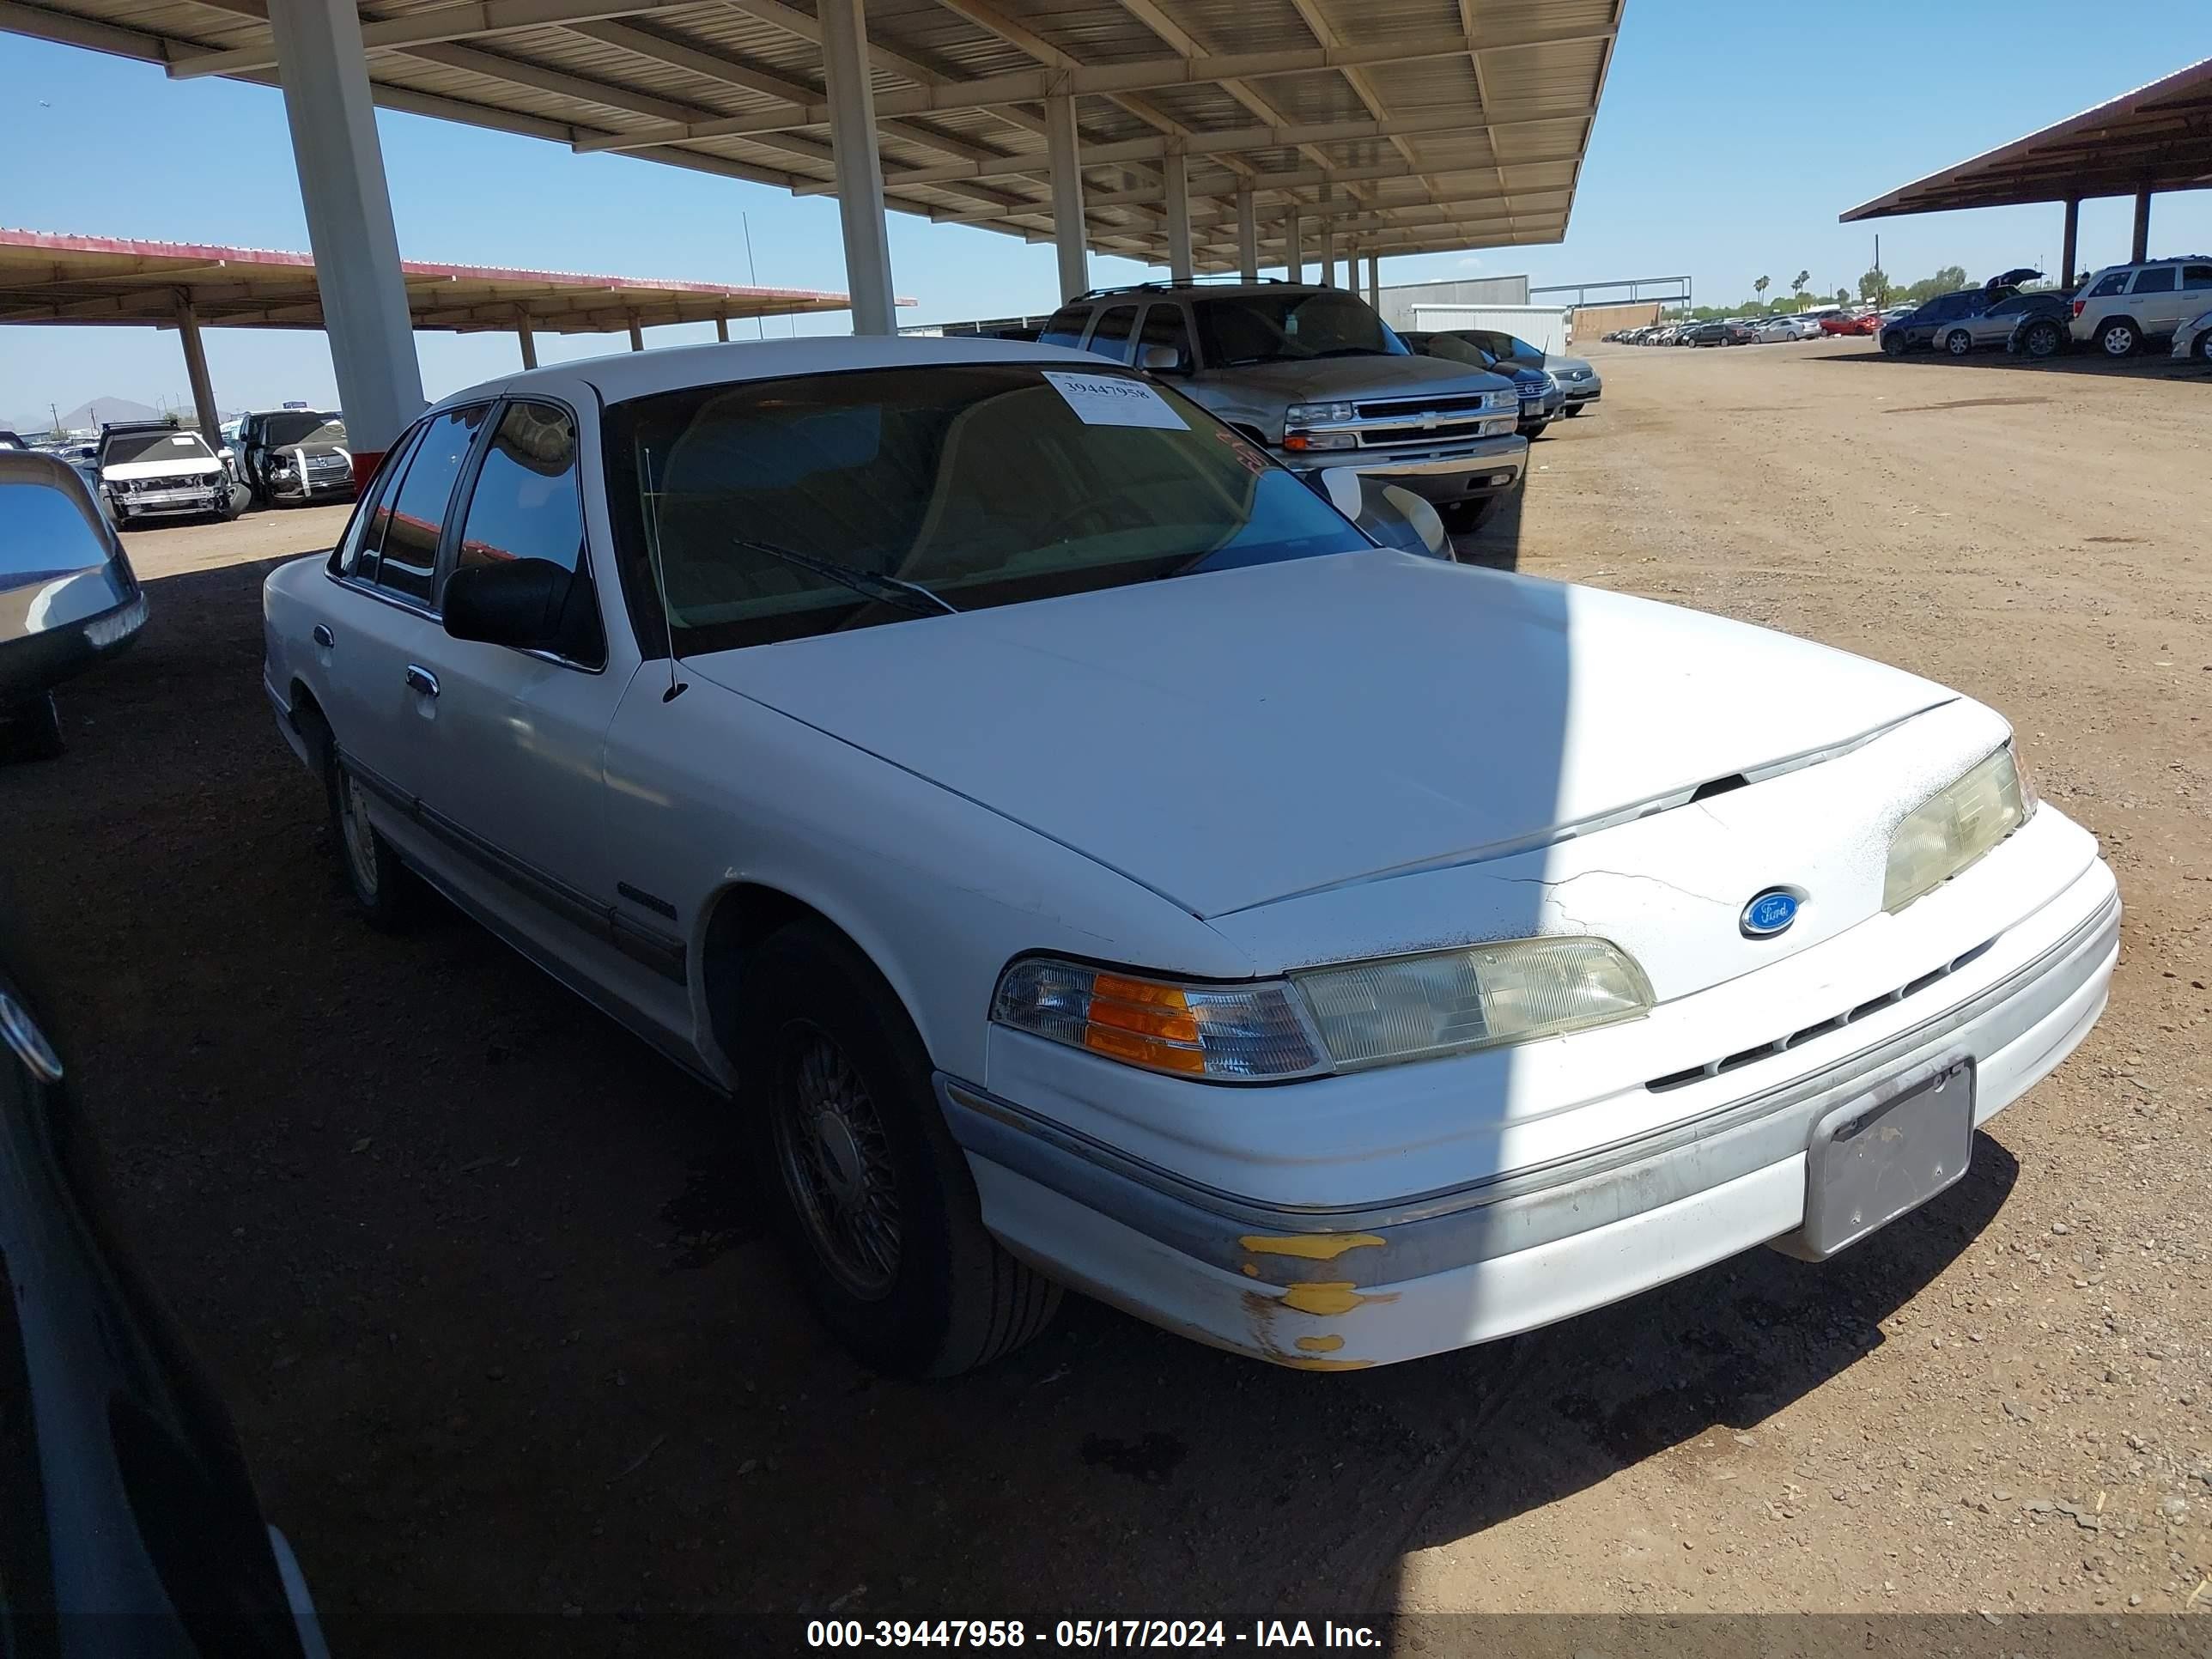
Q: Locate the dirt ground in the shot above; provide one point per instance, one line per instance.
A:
(483, 1281)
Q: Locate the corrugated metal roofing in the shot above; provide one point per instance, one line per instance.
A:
(47, 277)
(1401, 110)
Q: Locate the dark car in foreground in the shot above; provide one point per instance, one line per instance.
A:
(1725, 332)
(2039, 326)
(128, 1525)
(67, 596)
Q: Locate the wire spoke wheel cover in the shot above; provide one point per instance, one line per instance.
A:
(835, 1163)
(359, 836)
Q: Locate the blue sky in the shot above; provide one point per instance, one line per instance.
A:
(1725, 145)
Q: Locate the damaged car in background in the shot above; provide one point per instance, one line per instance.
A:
(153, 470)
(295, 455)
(1046, 818)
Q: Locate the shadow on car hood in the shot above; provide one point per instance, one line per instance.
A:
(1238, 737)
(1375, 376)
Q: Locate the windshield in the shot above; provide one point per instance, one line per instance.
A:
(118, 448)
(1294, 326)
(1458, 348)
(288, 428)
(988, 485)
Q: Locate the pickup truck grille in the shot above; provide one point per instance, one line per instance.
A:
(1443, 432)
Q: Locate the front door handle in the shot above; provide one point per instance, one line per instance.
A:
(420, 678)
(324, 637)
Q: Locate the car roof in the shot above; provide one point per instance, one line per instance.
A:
(619, 376)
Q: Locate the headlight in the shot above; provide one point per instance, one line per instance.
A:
(1318, 414)
(1944, 835)
(1328, 1020)
(1500, 399)
(1305, 440)
(1369, 1013)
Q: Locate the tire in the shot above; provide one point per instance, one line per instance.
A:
(1892, 343)
(1958, 342)
(31, 731)
(878, 1208)
(1573, 410)
(2043, 339)
(1464, 517)
(2118, 336)
(1533, 433)
(2203, 352)
(382, 886)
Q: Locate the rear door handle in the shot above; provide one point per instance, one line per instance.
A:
(420, 678)
(324, 637)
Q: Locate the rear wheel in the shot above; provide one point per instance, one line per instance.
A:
(1958, 342)
(2203, 353)
(1892, 343)
(2043, 339)
(2119, 339)
(382, 886)
(878, 1209)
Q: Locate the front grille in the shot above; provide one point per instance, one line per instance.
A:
(1806, 1033)
(1443, 432)
(1414, 409)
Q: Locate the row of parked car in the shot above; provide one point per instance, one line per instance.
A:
(139, 471)
(2118, 312)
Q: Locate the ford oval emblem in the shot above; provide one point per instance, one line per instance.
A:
(1770, 914)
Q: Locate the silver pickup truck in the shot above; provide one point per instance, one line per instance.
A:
(1315, 376)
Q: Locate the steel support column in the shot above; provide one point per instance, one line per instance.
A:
(1174, 178)
(1329, 252)
(2070, 243)
(324, 73)
(1294, 250)
(528, 341)
(859, 164)
(196, 371)
(1064, 158)
(1375, 280)
(2143, 227)
(1248, 235)
(722, 330)
(636, 335)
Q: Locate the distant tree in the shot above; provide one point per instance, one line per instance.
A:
(1797, 286)
(1874, 286)
(1761, 286)
(1843, 296)
(1950, 277)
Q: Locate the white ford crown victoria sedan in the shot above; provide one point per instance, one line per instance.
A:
(1091, 861)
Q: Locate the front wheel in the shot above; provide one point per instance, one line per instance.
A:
(2043, 339)
(1892, 343)
(878, 1209)
(1571, 410)
(1537, 430)
(1958, 342)
(2203, 352)
(2119, 339)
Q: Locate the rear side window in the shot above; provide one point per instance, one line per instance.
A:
(525, 505)
(1111, 339)
(2196, 275)
(2111, 284)
(407, 552)
(2155, 279)
(1065, 327)
(356, 550)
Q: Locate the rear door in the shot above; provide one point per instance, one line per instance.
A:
(384, 627)
(2154, 301)
(1110, 336)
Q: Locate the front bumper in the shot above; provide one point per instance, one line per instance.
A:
(315, 486)
(164, 503)
(1334, 1289)
(1583, 392)
(1462, 472)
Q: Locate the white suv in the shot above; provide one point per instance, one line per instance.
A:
(2123, 306)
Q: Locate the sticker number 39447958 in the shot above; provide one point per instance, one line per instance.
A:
(1114, 400)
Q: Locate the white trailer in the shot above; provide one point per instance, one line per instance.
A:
(1542, 326)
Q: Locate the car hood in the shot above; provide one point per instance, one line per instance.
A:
(1362, 377)
(1237, 737)
(190, 467)
(1567, 365)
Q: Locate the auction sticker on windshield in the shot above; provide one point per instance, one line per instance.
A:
(1114, 400)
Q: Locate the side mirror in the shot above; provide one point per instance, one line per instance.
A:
(527, 604)
(1161, 360)
(1391, 513)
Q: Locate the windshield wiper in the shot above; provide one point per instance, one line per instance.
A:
(871, 584)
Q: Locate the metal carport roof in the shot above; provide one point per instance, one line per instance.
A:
(2158, 137)
(49, 278)
(1415, 124)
